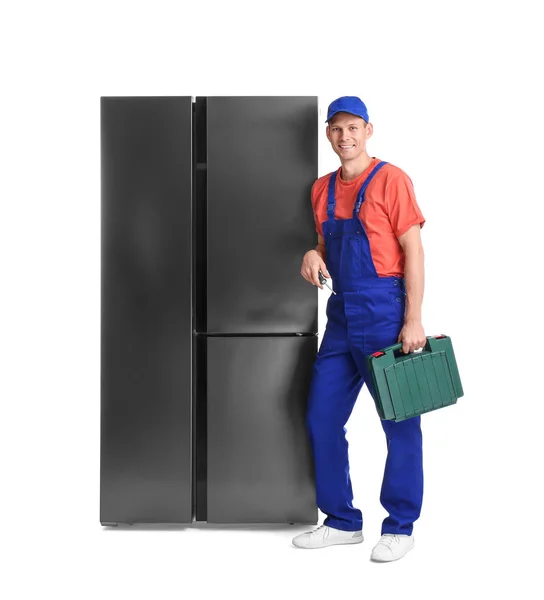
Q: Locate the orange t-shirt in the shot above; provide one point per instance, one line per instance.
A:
(389, 210)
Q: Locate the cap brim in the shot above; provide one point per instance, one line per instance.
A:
(346, 111)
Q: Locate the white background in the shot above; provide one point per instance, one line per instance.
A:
(453, 92)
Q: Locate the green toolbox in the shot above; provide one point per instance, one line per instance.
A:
(411, 384)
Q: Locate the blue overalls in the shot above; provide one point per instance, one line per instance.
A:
(366, 314)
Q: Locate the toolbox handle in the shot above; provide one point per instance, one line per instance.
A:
(396, 348)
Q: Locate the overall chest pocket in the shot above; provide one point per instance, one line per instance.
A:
(344, 255)
(354, 255)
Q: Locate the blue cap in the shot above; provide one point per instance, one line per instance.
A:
(349, 104)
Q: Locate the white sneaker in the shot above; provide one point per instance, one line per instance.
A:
(392, 547)
(327, 536)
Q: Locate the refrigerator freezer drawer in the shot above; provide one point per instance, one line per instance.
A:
(259, 462)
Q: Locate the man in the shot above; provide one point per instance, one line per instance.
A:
(368, 224)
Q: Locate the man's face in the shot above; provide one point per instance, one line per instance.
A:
(348, 135)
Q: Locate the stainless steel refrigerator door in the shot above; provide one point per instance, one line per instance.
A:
(261, 164)
(146, 331)
(260, 467)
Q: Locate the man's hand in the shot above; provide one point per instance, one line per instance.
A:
(312, 263)
(412, 336)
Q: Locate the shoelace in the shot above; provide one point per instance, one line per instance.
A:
(389, 539)
(318, 529)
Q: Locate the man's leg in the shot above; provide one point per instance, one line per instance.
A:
(335, 385)
(402, 486)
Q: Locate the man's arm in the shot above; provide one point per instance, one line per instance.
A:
(311, 264)
(414, 274)
(320, 248)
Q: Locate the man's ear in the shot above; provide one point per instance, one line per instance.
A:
(328, 132)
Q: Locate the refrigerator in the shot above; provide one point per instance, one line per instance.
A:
(208, 330)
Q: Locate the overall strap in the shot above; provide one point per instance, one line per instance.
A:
(331, 200)
(361, 194)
